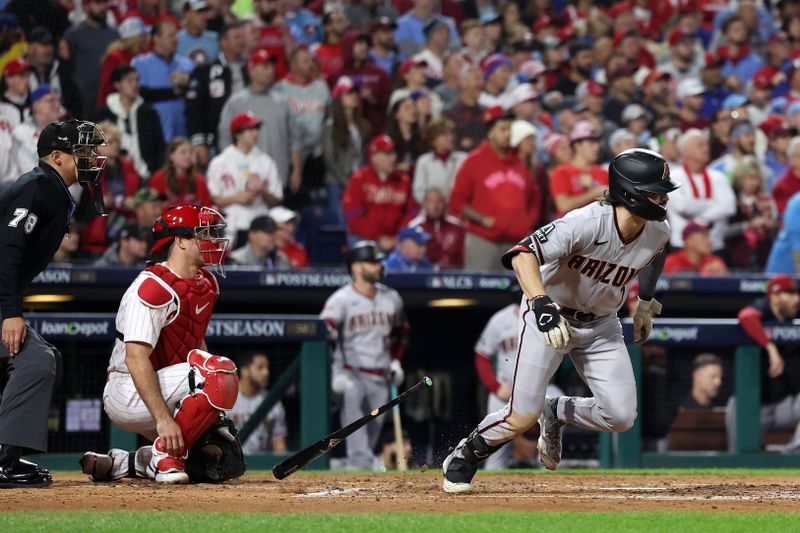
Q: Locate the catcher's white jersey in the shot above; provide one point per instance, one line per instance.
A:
(232, 172)
(138, 322)
(499, 341)
(585, 263)
(363, 325)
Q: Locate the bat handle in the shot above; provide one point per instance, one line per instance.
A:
(399, 442)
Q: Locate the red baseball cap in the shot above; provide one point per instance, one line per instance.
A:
(677, 35)
(344, 84)
(16, 66)
(491, 114)
(781, 283)
(260, 56)
(244, 120)
(381, 143)
(410, 63)
(713, 60)
(656, 75)
(764, 78)
(691, 228)
(775, 126)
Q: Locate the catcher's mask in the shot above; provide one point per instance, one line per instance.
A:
(205, 225)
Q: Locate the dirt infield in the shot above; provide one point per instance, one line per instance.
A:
(358, 493)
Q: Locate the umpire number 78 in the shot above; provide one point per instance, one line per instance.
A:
(19, 214)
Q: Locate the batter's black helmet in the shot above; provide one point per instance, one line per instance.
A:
(633, 174)
(364, 251)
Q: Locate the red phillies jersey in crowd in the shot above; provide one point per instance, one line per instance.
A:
(569, 180)
(376, 208)
(446, 247)
(329, 57)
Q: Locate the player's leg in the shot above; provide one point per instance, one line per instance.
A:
(377, 394)
(354, 405)
(536, 364)
(498, 460)
(213, 389)
(24, 408)
(604, 365)
(125, 408)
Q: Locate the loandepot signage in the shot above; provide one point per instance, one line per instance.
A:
(84, 328)
(674, 334)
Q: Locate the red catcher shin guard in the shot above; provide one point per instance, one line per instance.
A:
(194, 416)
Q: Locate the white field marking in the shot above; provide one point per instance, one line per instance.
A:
(329, 492)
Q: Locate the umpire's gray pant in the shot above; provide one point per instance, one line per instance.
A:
(35, 372)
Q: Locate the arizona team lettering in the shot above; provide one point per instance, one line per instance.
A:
(602, 271)
(366, 320)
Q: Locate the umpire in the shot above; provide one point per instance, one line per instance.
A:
(35, 212)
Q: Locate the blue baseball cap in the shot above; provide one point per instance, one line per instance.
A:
(416, 233)
(733, 101)
(40, 92)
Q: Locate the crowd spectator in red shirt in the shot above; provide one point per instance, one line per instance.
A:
(178, 180)
(378, 200)
(696, 256)
(495, 196)
(274, 35)
(790, 183)
(446, 247)
(329, 52)
(132, 41)
(374, 85)
(582, 181)
(286, 219)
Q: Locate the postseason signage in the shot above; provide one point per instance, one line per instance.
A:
(711, 332)
(99, 327)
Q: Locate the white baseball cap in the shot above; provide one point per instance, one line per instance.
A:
(281, 214)
(632, 112)
(132, 27)
(522, 93)
(690, 87)
(520, 130)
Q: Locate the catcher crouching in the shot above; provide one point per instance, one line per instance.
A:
(162, 383)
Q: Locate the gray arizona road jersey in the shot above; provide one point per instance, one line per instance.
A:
(499, 341)
(585, 264)
(363, 325)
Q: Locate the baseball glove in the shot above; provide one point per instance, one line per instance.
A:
(217, 455)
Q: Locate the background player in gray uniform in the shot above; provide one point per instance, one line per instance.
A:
(495, 359)
(575, 273)
(270, 434)
(366, 321)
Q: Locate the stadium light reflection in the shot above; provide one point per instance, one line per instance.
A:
(47, 298)
(452, 302)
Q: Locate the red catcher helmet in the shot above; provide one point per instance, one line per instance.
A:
(244, 120)
(203, 224)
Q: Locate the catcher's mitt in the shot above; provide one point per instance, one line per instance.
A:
(217, 455)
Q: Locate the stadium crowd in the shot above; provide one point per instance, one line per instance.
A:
(444, 130)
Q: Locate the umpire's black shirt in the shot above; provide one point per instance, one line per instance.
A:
(35, 211)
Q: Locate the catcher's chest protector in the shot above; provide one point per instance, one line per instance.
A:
(186, 331)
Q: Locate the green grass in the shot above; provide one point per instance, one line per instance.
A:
(401, 522)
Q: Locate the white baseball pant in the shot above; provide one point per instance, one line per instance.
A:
(125, 406)
(601, 359)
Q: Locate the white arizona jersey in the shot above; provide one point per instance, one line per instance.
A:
(139, 322)
(363, 325)
(232, 172)
(499, 341)
(585, 263)
(273, 425)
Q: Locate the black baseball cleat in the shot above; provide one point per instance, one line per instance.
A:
(18, 473)
(458, 474)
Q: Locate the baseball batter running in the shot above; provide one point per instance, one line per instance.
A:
(162, 383)
(575, 273)
(366, 321)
